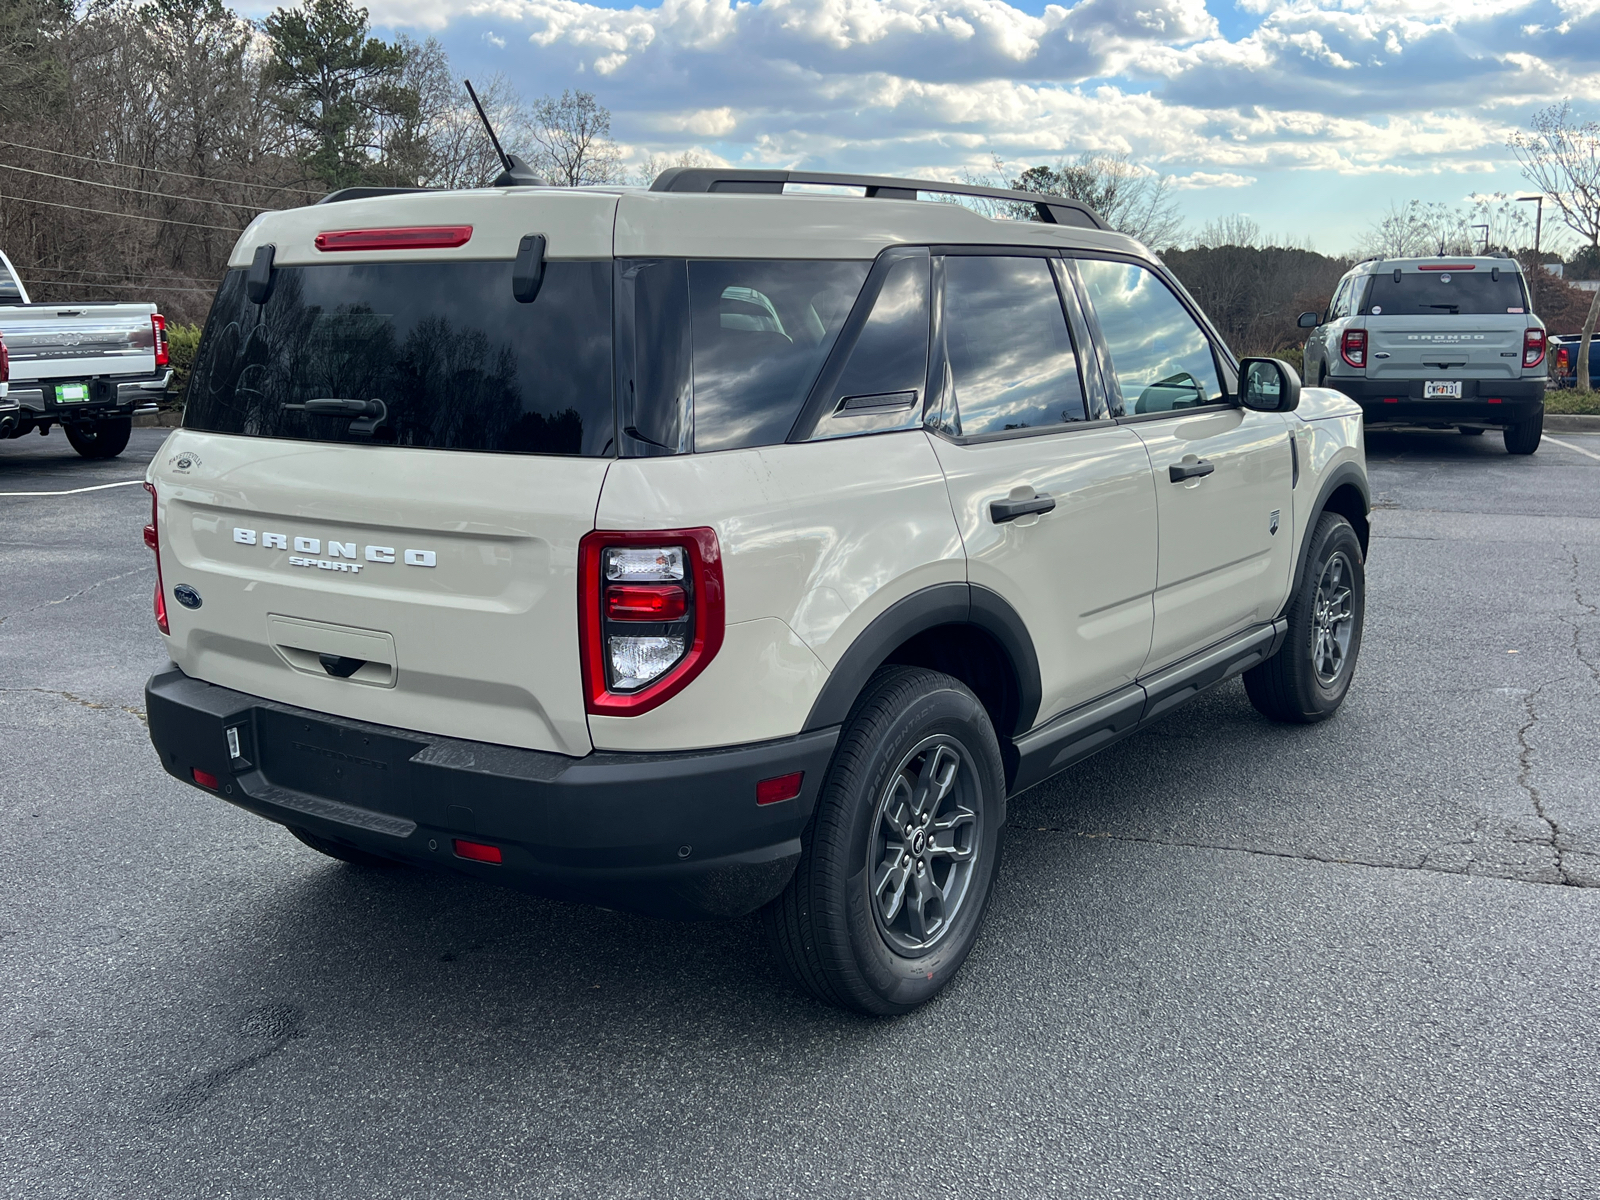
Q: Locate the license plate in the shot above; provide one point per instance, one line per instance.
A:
(72, 393)
(1442, 389)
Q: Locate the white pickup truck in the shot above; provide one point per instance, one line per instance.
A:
(82, 365)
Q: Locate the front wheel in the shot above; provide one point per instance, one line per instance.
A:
(1306, 680)
(1523, 437)
(101, 439)
(898, 862)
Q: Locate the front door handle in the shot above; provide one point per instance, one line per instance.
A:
(1179, 471)
(1001, 511)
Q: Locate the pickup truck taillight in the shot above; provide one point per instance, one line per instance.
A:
(5, 362)
(1563, 360)
(1353, 347)
(1533, 347)
(158, 326)
(650, 615)
(153, 540)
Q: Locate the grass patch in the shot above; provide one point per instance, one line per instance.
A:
(1570, 400)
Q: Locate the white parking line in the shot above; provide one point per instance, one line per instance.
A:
(1570, 446)
(100, 487)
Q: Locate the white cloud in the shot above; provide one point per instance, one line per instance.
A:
(1211, 179)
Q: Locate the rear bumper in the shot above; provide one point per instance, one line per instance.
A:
(110, 395)
(676, 835)
(1483, 401)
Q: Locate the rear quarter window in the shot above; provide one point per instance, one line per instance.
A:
(455, 360)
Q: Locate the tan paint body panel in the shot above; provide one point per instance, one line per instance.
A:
(1081, 576)
(817, 540)
(485, 641)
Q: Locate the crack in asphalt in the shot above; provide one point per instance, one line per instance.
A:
(1326, 859)
(74, 698)
(1577, 628)
(1525, 782)
(73, 596)
(276, 1024)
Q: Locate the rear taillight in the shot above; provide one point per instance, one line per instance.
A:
(1562, 363)
(1353, 347)
(5, 362)
(650, 615)
(1533, 347)
(153, 540)
(158, 326)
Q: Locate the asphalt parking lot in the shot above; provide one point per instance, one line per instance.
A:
(1224, 958)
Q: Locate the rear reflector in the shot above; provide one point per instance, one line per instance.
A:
(1391, 400)
(416, 237)
(784, 787)
(477, 851)
(1496, 400)
(204, 778)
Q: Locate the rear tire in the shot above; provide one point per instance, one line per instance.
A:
(349, 854)
(1306, 680)
(878, 919)
(1523, 437)
(101, 439)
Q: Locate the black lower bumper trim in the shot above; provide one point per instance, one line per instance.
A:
(675, 834)
(1482, 402)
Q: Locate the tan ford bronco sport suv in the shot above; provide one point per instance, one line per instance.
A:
(716, 548)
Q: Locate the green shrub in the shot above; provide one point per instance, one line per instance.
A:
(182, 342)
(1570, 400)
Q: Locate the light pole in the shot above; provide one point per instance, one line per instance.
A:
(1538, 220)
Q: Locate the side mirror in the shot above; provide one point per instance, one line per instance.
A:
(1310, 320)
(1268, 385)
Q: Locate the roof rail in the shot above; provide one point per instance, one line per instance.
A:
(361, 193)
(1052, 210)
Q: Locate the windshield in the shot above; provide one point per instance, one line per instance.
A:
(1447, 293)
(437, 355)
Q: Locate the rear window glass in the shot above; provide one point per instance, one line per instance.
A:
(454, 361)
(1447, 293)
(10, 290)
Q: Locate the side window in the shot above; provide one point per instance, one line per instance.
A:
(760, 333)
(1341, 301)
(890, 359)
(1161, 359)
(1010, 358)
(10, 291)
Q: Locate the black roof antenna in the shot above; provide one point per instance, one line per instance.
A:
(517, 173)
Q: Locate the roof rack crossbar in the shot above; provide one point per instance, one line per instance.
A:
(1052, 210)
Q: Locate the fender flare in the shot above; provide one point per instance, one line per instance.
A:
(1346, 472)
(928, 608)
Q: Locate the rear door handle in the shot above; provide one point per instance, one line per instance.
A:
(1001, 511)
(1180, 471)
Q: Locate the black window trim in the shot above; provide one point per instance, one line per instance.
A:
(938, 366)
(1227, 364)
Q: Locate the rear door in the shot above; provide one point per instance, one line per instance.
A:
(1223, 473)
(1015, 432)
(376, 501)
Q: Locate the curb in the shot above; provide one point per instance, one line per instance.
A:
(1571, 423)
(157, 420)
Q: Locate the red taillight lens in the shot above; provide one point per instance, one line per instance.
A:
(1533, 347)
(650, 615)
(1562, 365)
(643, 602)
(477, 851)
(416, 237)
(158, 325)
(152, 539)
(784, 787)
(1353, 347)
(5, 363)
(204, 778)
(1449, 267)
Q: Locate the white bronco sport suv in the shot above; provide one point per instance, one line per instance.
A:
(714, 548)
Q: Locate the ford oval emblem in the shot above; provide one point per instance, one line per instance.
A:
(186, 596)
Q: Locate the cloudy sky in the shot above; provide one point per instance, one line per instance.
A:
(1309, 116)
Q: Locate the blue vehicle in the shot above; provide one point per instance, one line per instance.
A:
(1564, 360)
